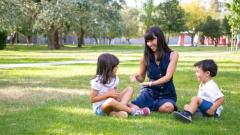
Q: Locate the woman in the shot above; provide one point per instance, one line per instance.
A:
(159, 63)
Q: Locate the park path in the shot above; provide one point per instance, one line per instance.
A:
(21, 65)
(43, 64)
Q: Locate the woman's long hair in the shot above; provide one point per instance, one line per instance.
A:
(162, 46)
(105, 65)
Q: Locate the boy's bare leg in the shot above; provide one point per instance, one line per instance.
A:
(194, 104)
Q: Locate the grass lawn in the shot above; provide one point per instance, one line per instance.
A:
(54, 99)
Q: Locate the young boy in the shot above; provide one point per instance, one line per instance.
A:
(209, 99)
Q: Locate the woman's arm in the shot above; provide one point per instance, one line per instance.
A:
(140, 77)
(170, 71)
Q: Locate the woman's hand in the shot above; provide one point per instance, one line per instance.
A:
(147, 84)
(133, 77)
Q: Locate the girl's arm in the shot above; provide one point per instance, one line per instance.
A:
(140, 77)
(170, 71)
(215, 106)
(95, 98)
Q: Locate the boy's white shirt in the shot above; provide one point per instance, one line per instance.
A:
(102, 88)
(210, 92)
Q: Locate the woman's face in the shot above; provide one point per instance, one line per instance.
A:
(152, 44)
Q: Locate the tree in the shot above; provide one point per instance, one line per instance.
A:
(98, 18)
(29, 10)
(53, 16)
(195, 15)
(171, 17)
(114, 22)
(149, 10)
(234, 20)
(131, 22)
(226, 29)
(211, 28)
(82, 18)
(10, 17)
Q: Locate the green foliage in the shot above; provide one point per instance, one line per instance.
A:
(149, 10)
(131, 23)
(226, 27)
(170, 16)
(195, 15)
(211, 28)
(234, 18)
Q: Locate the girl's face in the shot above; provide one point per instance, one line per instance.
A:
(202, 76)
(152, 44)
(115, 70)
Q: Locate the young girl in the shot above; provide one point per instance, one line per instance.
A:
(104, 95)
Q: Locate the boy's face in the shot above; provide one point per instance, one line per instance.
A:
(202, 76)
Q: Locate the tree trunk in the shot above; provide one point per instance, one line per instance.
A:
(80, 37)
(128, 40)
(96, 40)
(109, 41)
(13, 38)
(29, 39)
(202, 40)
(17, 37)
(60, 39)
(53, 39)
(192, 37)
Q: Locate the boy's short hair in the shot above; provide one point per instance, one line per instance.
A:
(207, 65)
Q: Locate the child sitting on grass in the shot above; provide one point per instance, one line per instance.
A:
(104, 96)
(209, 100)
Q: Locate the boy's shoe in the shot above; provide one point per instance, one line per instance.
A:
(120, 114)
(143, 111)
(182, 116)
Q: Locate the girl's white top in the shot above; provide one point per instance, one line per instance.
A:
(102, 88)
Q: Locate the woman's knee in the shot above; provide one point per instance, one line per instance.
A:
(167, 107)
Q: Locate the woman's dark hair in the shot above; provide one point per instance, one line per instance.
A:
(162, 47)
(207, 65)
(105, 65)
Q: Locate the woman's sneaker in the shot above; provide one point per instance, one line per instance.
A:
(120, 114)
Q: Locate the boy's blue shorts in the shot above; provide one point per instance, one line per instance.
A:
(204, 106)
(147, 99)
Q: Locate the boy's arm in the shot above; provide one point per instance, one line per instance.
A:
(95, 98)
(215, 106)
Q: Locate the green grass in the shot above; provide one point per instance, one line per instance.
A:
(54, 99)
